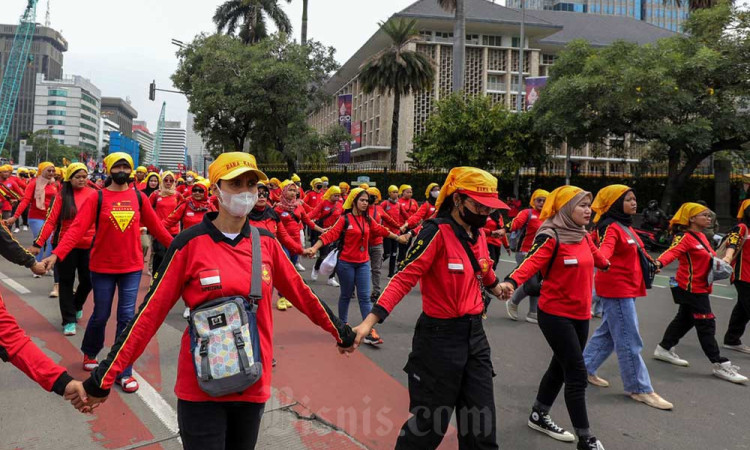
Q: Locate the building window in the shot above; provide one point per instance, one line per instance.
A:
(89, 109)
(88, 127)
(57, 132)
(472, 39)
(492, 41)
(548, 59)
(56, 103)
(89, 99)
(52, 112)
(55, 122)
(90, 119)
(496, 83)
(57, 93)
(515, 42)
(426, 35)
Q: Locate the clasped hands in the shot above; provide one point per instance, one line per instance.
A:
(77, 396)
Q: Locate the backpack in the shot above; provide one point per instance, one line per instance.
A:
(224, 338)
(516, 237)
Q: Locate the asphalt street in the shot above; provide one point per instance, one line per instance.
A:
(709, 413)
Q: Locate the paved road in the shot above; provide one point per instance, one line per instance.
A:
(322, 400)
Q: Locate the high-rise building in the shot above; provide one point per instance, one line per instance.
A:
(196, 146)
(145, 139)
(173, 146)
(120, 112)
(46, 58)
(655, 12)
(106, 127)
(69, 108)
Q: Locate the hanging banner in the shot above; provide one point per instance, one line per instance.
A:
(534, 86)
(345, 152)
(356, 134)
(345, 111)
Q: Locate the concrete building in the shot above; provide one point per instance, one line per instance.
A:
(145, 139)
(106, 127)
(492, 50)
(69, 108)
(47, 50)
(655, 12)
(173, 146)
(196, 146)
(120, 112)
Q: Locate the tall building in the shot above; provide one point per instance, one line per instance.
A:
(145, 139)
(655, 12)
(46, 58)
(106, 127)
(173, 146)
(491, 66)
(120, 112)
(69, 108)
(196, 146)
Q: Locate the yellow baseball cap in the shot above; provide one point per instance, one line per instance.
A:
(233, 164)
(478, 184)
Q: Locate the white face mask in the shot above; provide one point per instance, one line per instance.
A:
(190, 179)
(434, 194)
(238, 205)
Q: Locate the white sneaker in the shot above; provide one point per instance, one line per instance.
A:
(186, 313)
(314, 275)
(669, 356)
(726, 371)
(25, 228)
(511, 309)
(299, 267)
(742, 348)
(333, 282)
(36, 276)
(16, 229)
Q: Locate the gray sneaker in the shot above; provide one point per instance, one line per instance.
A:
(669, 356)
(531, 317)
(512, 310)
(742, 348)
(726, 371)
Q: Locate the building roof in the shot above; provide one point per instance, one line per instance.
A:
(476, 11)
(8, 31)
(116, 103)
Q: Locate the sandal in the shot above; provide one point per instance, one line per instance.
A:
(129, 384)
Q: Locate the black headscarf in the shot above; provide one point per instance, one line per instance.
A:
(615, 213)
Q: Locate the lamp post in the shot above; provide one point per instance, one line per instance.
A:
(521, 45)
(49, 135)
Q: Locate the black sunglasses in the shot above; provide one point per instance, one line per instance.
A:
(263, 194)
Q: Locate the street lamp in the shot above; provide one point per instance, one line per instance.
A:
(519, 97)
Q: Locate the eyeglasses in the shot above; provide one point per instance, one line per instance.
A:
(480, 208)
(263, 194)
(197, 191)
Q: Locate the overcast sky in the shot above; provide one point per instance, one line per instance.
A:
(122, 45)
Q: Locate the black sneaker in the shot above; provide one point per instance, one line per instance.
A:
(589, 443)
(542, 422)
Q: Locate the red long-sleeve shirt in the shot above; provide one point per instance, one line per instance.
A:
(28, 200)
(380, 217)
(11, 191)
(738, 237)
(356, 239)
(117, 242)
(566, 290)
(203, 265)
(269, 220)
(187, 213)
(293, 220)
(448, 284)
(408, 208)
(491, 226)
(695, 257)
(426, 211)
(328, 211)
(393, 209)
(528, 218)
(80, 196)
(312, 198)
(274, 195)
(624, 278)
(164, 206)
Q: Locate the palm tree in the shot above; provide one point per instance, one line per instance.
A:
(303, 41)
(459, 40)
(397, 70)
(693, 4)
(250, 17)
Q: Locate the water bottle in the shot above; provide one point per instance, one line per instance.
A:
(672, 282)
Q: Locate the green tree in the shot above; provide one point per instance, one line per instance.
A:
(257, 95)
(398, 71)
(474, 132)
(48, 148)
(686, 95)
(459, 40)
(250, 17)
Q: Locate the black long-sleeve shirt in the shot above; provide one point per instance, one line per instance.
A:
(12, 250)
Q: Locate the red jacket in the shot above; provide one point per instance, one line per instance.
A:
(491, 226)
(328, 212)
(356, 239)
(426, 211)
(408, 208)
(312, 198)
(293, 220)
(164, 206)
(10, 190)
(274, 196)
(203, 265)
(448, 283)
(623, 279)
(736, 237)
(80, 196)
(381, 218)
(393, 209)
(566, 290)
(117, 242)
(528, 218)
(28, 201)
(187, 213)
(695, 258)
(269, 220)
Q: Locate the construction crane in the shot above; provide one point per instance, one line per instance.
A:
(159, 135)
(14, 70)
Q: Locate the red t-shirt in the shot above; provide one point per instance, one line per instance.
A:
(293, 220)
(187, 213)
(312, 198)
(269, 220)
(12, 190)
(380, 217)
(624, 278)
(426, 211)
(328, 211)
(356, 239)
(528, 218)
(491, 226)
(738, 237)
(164, 206)
(695, 258)
(80, 196)
(408, 208)
(393, 209)
(28, 201)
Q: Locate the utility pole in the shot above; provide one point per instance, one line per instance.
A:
(519, 96)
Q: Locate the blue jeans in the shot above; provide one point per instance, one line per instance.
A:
(353, 275)
(619, 332)
(103, 285)
(36, 226)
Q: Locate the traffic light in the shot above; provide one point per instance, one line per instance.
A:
(152, 91)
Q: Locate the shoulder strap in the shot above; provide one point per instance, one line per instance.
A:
(554, 253)
(99, 196)
(700, 241)
(340, 243)
(140, 199)
(629, 233)
(257, 269)
(465, 245)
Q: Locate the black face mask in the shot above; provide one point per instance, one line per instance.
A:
(473, 219)
(120, 177)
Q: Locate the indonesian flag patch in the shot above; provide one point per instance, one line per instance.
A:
(210, 278)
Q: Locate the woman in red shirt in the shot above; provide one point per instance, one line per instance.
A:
(375, 245)
(213, 260)
(450, 365)
(191, 211)
(164, 201)
(738, 254)
(352, 234)
(325, 215)
(690, 290)
(392, 207)
(426, 211)
(293, 216)
(566, 255)
(409, 207)
(618, 289)
(525, 224)
(37, 198)
(62, 213)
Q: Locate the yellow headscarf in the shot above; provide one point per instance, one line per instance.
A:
(343, 185)
(333, 190)
(8, 168)
(285, 183)
(392, 188)
(296, 178)
(141, 169)
(73, 168)
(429, 188)
(536, 194)
(686, 211)
(324, 179)
(376, 192)
(468, 179)
(606, 197)
(274, 181)
(364, 186)
(350, 199)
(113, 158)
(315, 181)
(743, 207)
(402, 188)
(557, 199)
(43, 165)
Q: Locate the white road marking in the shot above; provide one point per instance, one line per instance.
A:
(13, 284)
(163, 410)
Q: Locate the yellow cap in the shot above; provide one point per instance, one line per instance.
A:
(343, 185)
(296, 178)
(333, 190)
(141, 169)
(44, 165)
(557, 199)
(154, 174)
(202, 184)
(743, 207)
(606, 197)
(429, 188)
(23, 170)
(402, 188)
(8, 168)
(478, 184)
(536, 194)
(324, 178)
(113, 158)
(392, 188)
(352, 195)
(59, 172)
(232, 164)
(364, 186)
(315, 181)
(686, 211)
(274, 181)
(285, 183)
(376, 192)
(73, 168)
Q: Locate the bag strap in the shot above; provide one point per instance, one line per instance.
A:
(257, 268)
(469, 252)
(711, 255)
(554, 253)
(629, 233)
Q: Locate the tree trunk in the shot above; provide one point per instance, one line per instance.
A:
(459, 47)
(291, 161)
(394, 128)
(676, 177)
(304, 22)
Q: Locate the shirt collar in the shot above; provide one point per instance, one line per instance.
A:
(217, 235)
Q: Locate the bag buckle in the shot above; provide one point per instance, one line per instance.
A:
(238, 340)
(203, 351)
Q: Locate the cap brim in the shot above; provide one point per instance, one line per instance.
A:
(240, 170)
(488, 200)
